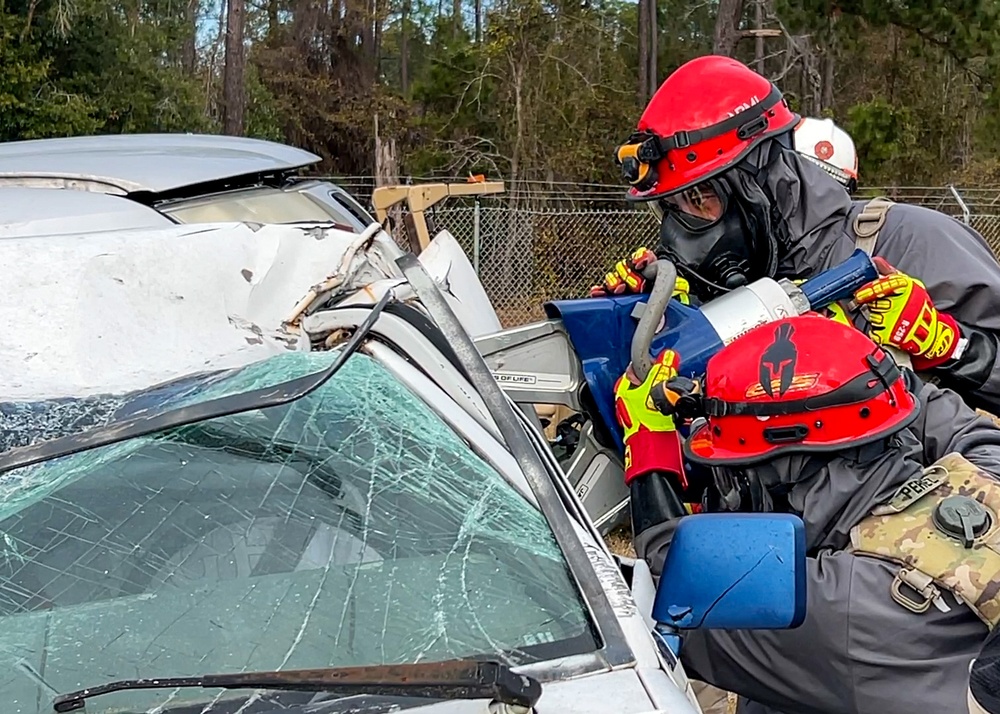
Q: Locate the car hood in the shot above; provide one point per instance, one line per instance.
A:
(619, 692)
(117, 311)
(112, 312)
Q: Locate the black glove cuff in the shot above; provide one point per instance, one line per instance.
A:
(975, 366)
(653, 500)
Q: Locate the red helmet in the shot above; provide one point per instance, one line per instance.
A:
(804, 383)
(702, 120)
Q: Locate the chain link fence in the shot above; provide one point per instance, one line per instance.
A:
(527, 256)
(552, 241)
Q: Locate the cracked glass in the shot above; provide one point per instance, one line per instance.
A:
(352, 526)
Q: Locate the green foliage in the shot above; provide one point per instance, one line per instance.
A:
(545, 94)
(881, 132)
(263, 116)
(121, 60)
(32, 106)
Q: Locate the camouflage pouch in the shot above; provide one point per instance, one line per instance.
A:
(944, 529)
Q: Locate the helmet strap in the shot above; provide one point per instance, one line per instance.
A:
(748, 123)
(856, 391)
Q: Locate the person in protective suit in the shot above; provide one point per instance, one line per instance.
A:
(819, 140)
(714, 156)
(984, 678)
(895, 481)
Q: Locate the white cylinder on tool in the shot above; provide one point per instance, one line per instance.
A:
(740, 310)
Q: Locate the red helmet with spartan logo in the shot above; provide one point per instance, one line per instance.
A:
(804, 383)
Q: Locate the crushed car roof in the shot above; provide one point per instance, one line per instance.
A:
(128, 163)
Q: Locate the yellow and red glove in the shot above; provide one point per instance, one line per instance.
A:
(627, 277)
(903, 316)
(651, 441)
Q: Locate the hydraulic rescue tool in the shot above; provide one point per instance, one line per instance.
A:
(574, 357)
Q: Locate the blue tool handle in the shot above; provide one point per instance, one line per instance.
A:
(841, 281)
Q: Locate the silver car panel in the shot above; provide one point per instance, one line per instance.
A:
(28, 212)
(148, 162)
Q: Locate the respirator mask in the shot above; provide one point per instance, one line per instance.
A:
(721, 233)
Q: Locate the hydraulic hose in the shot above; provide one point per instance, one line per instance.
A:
(663, 290)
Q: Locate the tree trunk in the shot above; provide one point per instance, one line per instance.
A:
(479, 21)
(654, 31)
(367, 20)
(727, 27)
(386, 164)
(233, 97)
(189, 55)
(272, 22)
(456, 16)
(213, 58)
(758, 22)
(387, 174)
(829, 64)
(305, 25)
(643, 34)
(404, 50)
(377, 49)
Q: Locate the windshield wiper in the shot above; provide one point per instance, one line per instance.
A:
(262, 398)
(455, 679)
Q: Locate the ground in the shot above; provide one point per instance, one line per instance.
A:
(620, 541)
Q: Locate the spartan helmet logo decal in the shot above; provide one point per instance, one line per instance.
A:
(777, 364)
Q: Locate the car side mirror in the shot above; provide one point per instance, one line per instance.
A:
(734, 571)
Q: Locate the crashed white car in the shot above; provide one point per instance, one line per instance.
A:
(256, 469)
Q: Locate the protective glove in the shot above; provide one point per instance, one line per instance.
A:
(836, 313)
(903, 315)
(627, 277)
(651, 441)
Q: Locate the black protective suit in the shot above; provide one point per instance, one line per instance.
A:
(858, 651)
(953, 261)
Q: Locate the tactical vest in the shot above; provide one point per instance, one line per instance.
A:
(943, 528)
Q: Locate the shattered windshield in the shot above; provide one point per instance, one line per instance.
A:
(352, 526)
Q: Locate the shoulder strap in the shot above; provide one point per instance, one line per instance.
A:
(867, 226)
(869, 222)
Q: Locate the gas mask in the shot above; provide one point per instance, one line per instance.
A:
(740, 490)
(724, 232)
(716, 254)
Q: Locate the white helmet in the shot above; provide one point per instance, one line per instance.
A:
(829, 147)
